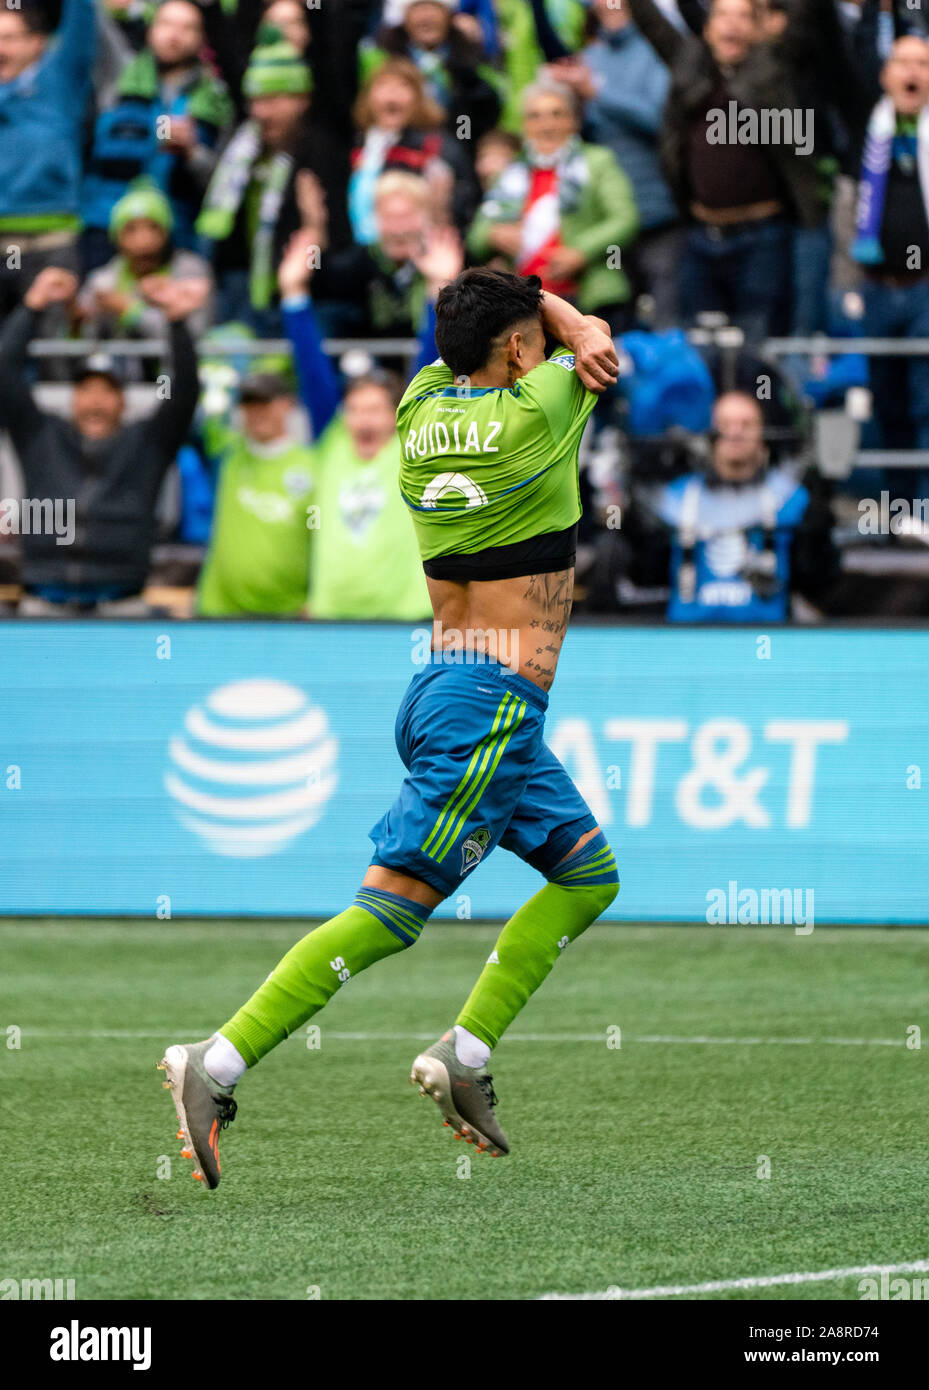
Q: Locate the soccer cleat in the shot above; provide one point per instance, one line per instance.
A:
(465, 1095)
(204, 1108)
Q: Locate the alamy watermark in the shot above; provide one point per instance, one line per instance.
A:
(891, 1290)
(733, 906)
(38, 516)
(770, 125)
(892, 516)
(469, 646)
(54, 1290)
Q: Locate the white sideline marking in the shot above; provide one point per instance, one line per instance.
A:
(766, 1281)
(660, 1038)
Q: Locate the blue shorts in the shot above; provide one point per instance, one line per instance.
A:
(480, 775)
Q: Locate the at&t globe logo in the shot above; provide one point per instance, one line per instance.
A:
(253, 769)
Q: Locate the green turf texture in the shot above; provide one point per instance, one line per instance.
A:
(633, 1166)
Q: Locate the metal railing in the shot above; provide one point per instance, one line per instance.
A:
(244, 347)
(711, 331)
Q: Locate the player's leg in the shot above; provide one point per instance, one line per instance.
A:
(380, 922)
(581, 887)
(553, 830)
(387, 915)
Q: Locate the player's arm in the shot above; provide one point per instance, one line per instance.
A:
(588, 338)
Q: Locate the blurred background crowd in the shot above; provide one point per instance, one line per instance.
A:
(223, 225)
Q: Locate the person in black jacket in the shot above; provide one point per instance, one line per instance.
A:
(99, 477)
(742, 197)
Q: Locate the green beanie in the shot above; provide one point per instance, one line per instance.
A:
(144, 199)
(274, 69)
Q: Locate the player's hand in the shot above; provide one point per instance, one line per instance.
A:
(298, 263)
(175, 298)
(51, 286)
(595, 359)
(442, 258)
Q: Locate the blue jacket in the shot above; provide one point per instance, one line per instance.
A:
(126, 144)
(41, 121)
(625, 115)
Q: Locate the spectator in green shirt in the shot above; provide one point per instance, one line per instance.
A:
(258, 556)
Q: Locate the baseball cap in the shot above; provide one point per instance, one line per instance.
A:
(260, 387)
(101, 364)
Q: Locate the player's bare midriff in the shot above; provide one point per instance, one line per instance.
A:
(519, 622)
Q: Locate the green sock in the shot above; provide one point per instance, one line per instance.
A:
(378, 924)
(526, 950)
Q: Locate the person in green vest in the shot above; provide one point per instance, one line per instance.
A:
(258, 555)
(563, 210)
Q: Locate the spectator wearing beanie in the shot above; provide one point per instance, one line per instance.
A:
(250, 209)
(111, 302)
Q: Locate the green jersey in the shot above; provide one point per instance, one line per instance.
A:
(363, 557)
(486, 467)
(258, 556)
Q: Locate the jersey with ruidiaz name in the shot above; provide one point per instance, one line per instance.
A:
(489, 466)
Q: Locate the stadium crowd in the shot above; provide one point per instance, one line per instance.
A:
(206, 178)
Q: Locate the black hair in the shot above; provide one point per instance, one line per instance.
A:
(476, 309)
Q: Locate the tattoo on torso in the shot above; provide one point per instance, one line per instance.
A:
(552, 595)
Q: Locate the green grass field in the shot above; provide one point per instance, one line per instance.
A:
(634, 1166)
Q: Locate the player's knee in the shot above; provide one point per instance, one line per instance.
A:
(592, 870)
(605, 893)
(403, 917)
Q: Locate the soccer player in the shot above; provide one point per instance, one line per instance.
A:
(489, 437)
